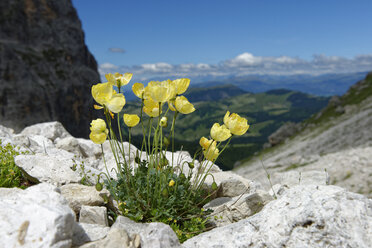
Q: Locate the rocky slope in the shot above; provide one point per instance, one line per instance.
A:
(338, 140)
(46, 70)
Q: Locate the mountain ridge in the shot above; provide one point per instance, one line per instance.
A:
(337, 139)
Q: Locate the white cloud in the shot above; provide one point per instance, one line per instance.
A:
(247, 64)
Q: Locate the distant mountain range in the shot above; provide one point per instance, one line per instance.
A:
(321, 85)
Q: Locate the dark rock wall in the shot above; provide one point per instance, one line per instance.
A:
(46, 70)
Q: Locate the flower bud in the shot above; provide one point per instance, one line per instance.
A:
(99, 186)
(166, 141)
(214, 186)
(164, 193)
(191, 165)
(164, 121)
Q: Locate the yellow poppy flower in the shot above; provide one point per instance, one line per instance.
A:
(236, 124)
(105, 95)
(181, 85)
(206, 143)
(183, 105)
(119, 79)
(161, 91)
(98, 130)
(171, 183)
(131, 120)
(151, 108)
(220, 133)
(139, 90)
(211, 154)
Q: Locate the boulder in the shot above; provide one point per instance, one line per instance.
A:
(50, 130)
(116, 238)
(153, 235)
(84, 233)
(93, 215)
(43, 168)
(36, 217)
(228, 210)
(230, 184)
(78, 195)
(304, 216)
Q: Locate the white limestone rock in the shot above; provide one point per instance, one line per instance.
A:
(153, 235)
(305, 216)
(116, 238)
(78, 195)
(84, 233)
(292, 178)
(93, 215)
(6, 132)
(36, 217)
(231, 184)
(43, 168)
(228, 210)
(50, 130)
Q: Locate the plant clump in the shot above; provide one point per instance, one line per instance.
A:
(150, 187)
(10, 175)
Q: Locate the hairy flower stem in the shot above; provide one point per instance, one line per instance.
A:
(172, 131)
(143, 132)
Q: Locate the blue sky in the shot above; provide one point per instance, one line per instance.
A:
(222, 38)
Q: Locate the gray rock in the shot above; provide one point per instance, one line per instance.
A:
(229, 210)
(116, 238)
(304, 216)
(84, 233)
(153, 235)
(292, 178)
(36, 217)
(6, 132)
(46, 69)
(49, 130)
(78, 195)
(93, 215)
(231, 184)
(43, 168)
(284, 132)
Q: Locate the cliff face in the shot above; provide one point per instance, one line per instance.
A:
(46, 70)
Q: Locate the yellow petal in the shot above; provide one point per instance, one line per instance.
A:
(220, 133)
(171, 183)
(97, 106)
(181, 85)
(211, 154)
(171, 105)
(98, 126)
(151, 108)
(236, 124)
(110, 78)
(138, 89)
(102, 92)
(126, 78)
(183, 105)
(116, 103)
(206, 143)
(131, 120)
(98, 138)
